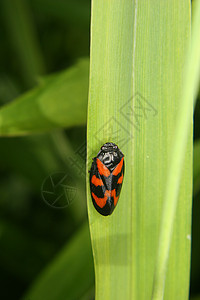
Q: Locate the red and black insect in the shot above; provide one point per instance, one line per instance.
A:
(106, 177)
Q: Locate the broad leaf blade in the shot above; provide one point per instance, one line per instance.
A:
(135, 79)
(60, 101)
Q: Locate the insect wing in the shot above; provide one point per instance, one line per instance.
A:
(117, 179)
(105, 185)
(98, 189)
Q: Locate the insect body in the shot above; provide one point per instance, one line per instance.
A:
(106, 177)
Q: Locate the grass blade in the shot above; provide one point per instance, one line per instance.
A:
(23, 37)
(179, 148)
(135, 79)
(59, 101)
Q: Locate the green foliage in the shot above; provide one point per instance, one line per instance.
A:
(33, 233)
(70, 275)
(22, 34)
(136, 80)
(181, 150)
(59, 101)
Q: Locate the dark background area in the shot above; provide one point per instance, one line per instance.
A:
(32, 232)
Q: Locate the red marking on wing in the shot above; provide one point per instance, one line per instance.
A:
(96, 181)
(113, 194)
(108, 193)
(118, 168)
(103, 170)
(101, 202)
(120, 179)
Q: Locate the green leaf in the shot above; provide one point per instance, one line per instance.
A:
(59, 101)
(179, 172)
(137, 57)
(70, 276)
(23, 37)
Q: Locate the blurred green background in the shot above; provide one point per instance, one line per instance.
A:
(45, 250)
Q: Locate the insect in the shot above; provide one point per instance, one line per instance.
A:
(106, 177)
